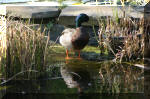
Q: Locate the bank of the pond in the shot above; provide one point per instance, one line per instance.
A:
(90, 53)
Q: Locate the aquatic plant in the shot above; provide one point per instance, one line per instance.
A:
(124, 37)
(26, 48)
(2, 43)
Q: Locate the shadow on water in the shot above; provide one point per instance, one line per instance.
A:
(79, 79)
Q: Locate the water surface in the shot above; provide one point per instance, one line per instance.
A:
(79, 76)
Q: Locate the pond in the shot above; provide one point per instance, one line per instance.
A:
(78, 78)
(44, 72)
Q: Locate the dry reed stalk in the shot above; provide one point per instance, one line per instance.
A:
(27, 47)
(2, 39)
(124, 38)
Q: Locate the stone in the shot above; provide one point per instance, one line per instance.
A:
(68, 14)
(38, 12)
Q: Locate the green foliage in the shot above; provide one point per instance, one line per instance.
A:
(61, 5)
(115, 15)
(135, 3)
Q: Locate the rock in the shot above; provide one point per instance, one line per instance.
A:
(14, 1)
(2, 10)
(38, 12)
(55, 32)
(68, 14)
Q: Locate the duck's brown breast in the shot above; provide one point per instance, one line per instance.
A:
(80, 39)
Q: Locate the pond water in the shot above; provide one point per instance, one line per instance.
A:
(78, 78)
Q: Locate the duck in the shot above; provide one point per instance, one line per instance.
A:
(75, 38)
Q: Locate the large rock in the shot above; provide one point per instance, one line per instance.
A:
(2, 10)
(38, 12)
(68, 14)
(102, 11)
(14, 1)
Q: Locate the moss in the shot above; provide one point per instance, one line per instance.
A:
(61, 49)
(4, 87)
(57, 49)
(91, 53)
(91, 49)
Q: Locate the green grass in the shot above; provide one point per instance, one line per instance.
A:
(91, 49)
(60, 49)
(3, 87)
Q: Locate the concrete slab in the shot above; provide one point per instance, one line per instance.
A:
(2, 10)
(99, 11)
(14, 1)
(33, 11)
(68, 14)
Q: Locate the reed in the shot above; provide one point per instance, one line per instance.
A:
(123, 37)
(2, 43)
(26, 48)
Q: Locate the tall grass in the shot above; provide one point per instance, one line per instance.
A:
(26, 48)
(123, 37)
(2, 42)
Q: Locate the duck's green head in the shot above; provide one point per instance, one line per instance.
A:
(81, 18)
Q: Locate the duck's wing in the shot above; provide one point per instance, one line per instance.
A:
(65, 38)
(80, 39)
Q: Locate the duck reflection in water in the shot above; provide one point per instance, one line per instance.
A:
(76, 77)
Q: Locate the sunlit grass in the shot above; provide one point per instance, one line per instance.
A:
(91, 49)
(2, 41)
(122, 37)
(60, 49)
(26, 48)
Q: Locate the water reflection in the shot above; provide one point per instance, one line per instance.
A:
(122, 78)
(76, 77)
(84, 77)
(103, 77)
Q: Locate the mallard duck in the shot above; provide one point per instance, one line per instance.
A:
(75, 39)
